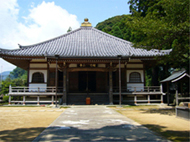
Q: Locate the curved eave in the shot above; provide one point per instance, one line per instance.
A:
(4, 56)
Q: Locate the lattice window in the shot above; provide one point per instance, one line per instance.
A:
(135, 77)
(38, 77)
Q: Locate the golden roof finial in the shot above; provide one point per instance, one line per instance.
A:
(86, 23)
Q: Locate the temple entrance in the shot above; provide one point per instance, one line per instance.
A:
(87, 81)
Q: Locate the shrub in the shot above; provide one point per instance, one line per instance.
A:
(5, 98)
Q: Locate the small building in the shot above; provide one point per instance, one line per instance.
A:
(84, 63)
(180, 82)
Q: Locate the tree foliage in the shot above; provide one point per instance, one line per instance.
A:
(156, 24)
(5, 86)
(165, 31)
(18, 73)
(142, 6)
(69, 30)
(18, 77)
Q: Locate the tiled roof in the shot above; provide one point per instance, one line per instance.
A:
(174, 75)
(83, 42)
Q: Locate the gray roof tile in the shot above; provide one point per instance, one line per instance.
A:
(174, 75)
(84, 42)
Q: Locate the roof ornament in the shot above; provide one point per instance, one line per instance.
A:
(86, 23)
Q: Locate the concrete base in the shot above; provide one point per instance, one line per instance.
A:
(183, 112)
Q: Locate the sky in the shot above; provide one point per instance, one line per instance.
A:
(27, 22)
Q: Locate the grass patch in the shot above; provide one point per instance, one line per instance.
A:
(5, 103)
(64, 107)
(19, 106)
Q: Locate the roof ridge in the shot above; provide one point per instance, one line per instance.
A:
(28, 46)
(111, 36)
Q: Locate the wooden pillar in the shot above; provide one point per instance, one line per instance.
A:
(144, 75)
(48, 81)
(110, 87)
(120, 81)
(176, 97)
(24, 99)
(168, 97)
(148, 99)
(64, 86)
(38, 100)
(56, 80)
(52, 99)
(9, 100)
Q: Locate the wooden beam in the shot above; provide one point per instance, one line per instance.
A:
(88, 69)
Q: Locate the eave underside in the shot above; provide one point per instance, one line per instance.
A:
(24, 61)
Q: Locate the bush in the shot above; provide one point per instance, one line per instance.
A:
(6, 98)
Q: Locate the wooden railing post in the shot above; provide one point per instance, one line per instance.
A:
(134, 89)
(162, 99)
(38, 89)
(148, 99)
(9, 100)
(52, 100)
(38, 100)
(24, 100)
(148, 89)
(135, 99)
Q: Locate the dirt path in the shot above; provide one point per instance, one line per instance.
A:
(164, 122)
(25, 123)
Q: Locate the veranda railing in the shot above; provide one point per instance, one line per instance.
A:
(23, 89)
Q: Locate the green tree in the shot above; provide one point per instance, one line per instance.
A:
(18, 72)
(117, 32)
(165, 32)
(5, 86)
(142, 6)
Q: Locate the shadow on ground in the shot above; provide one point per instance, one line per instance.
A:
(171, 135)
(20, 134)
(108, 133)
(161, 111)
(124, 132)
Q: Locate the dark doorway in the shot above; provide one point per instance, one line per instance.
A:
(87, 81)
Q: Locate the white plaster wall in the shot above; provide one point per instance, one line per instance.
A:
(139, 71)
(35, 86)
(139, 86)
(42, 71)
